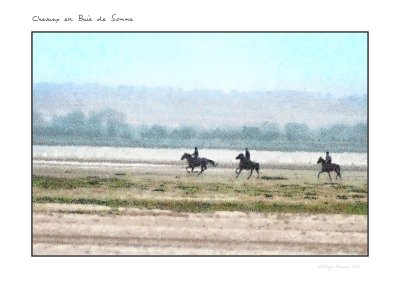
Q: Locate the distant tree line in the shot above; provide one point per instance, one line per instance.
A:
(109, 128)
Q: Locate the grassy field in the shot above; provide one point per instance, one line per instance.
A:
(286, 191)
(162, 210)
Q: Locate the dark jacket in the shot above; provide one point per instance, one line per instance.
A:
(196, 153)
(247, 155)
(328, 159)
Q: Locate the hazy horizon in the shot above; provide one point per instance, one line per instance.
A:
(67, 114)
(201, 107)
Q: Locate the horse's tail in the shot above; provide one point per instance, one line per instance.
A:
(212, 162)
(257, 166)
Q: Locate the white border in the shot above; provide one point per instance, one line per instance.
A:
(20, 269)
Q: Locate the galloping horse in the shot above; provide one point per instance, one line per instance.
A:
(328, 167)
(196, 162)
(247, 165)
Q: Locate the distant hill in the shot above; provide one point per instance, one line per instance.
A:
(203, 108)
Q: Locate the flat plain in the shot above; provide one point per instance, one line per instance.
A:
(162, 210)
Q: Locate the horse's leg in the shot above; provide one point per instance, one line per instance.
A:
(258, 174)
(338, 173)
(329, 175)
(319, 173)
(250, 173)
(187, 168)
(202, 169)
(238, 173)
(194, 171)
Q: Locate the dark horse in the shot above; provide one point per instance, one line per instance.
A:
(328, 167)
(247, 165)
(196, 162)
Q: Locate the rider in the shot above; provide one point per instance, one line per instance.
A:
(328, 158)
(196, 153)
(247, 154)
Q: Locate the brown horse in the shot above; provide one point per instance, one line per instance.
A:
(328, 167)
(247, 165)
(196, 162)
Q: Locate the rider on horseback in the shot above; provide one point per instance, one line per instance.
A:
(247, 154)
(328, 166)
(328, 158)
(246, 164)
(196, 153)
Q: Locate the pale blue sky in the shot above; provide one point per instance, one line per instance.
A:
(334, 63)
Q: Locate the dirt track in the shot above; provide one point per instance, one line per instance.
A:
(144, 232)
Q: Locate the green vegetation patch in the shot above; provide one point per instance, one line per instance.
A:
(55, 183)
(218, 187)
(273, 178)
(188, 189)
(351, 188)
(310, 196)
(198, 206)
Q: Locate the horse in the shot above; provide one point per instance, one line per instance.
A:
(328, 167)
(196, 162)
(247, 165)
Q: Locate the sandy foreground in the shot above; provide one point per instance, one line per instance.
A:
(72, 229)
(145, 232)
